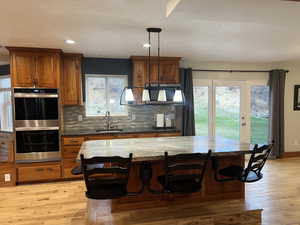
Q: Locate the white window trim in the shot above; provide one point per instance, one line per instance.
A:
(125, 77)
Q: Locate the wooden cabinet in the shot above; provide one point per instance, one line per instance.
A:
(23, 69)
(47, 70)
(169, 70)
(70, 149)
(6, 148)
(78, 140)
(71, 79)
(38, 172)
(34, 67)
(7, 175)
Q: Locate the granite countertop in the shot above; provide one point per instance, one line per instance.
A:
(147, 149)
(123, 131)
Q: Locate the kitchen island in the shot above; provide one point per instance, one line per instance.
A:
(226, 151)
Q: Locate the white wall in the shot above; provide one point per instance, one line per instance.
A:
(292, 118)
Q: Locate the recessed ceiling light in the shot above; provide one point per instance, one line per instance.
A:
(146, 45)
(69, 41)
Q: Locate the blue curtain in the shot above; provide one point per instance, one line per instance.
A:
(277, 85)
(188, 119)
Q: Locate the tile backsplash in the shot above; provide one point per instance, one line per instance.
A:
(138, 117)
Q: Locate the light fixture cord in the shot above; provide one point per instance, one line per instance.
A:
(149, 58)
(158, 52)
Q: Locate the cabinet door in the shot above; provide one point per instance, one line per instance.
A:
(139, 78)
(153, 73)
(23, 69)
(71, 80)
(47, 70)
(169, 72)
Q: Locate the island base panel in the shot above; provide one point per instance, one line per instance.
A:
(212, 190)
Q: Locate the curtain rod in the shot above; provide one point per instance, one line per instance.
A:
(234, 71)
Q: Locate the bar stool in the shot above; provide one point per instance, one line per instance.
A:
(252, 172)
(184, 172)
(106, 183)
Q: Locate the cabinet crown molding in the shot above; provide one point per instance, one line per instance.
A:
(29, 49)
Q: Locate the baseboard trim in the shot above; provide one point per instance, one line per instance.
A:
(290, 154)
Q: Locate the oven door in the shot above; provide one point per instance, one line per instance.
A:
(37, 108)
(37, 111)
(42, 145)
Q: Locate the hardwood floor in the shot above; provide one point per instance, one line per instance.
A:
(64, 203)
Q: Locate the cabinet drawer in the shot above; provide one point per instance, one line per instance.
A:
(100, 137)
(73, 140)
(70, 152)
(169, 134)
(38, 173)
(68, 165)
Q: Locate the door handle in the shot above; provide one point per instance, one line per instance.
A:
(244, 124)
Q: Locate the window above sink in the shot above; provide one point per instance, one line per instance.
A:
(103, 94)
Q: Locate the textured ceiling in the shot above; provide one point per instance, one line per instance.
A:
(198, 30)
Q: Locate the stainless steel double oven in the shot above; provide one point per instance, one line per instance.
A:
(36, 124)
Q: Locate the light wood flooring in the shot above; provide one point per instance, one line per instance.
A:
(64, 203)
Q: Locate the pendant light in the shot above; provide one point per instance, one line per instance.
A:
(146, 90)
(178, 96)
(152, 94)
(129, 95)
(162, 96)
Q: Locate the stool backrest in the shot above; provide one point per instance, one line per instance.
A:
(190, 164)
(117, 170)
(258, 159)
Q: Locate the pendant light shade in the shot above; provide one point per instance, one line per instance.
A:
(129, 95)
(146, 95)
(162, 96)
(178, 96)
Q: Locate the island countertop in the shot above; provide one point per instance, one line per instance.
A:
(153, 148)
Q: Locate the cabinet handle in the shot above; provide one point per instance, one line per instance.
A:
(39, 169)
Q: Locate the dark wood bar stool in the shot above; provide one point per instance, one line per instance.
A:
(106, 183)
(184, 172)
(251, 173)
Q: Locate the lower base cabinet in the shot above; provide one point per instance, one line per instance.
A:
(7, 175)
(38, 172)
(48, 171)
(68, 165)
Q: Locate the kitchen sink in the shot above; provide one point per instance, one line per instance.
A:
(103, 131)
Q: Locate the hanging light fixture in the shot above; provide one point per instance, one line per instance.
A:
(154, 94)
(129, 95)
(178, 96)
(146, 90)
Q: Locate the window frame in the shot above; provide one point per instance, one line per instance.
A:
(107, 94)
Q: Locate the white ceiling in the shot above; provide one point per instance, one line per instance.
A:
(198, 30)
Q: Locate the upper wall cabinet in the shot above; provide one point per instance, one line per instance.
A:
(35, 67)
(168, 67)
(71, 79)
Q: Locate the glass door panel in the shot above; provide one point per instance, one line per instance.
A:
(259, 114)
(201, 98)
(227, 111)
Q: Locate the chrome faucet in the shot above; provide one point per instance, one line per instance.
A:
(108, 121)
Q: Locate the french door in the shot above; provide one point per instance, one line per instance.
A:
(236, 110)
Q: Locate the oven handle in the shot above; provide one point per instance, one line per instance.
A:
(32, 95)
(36, 128)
